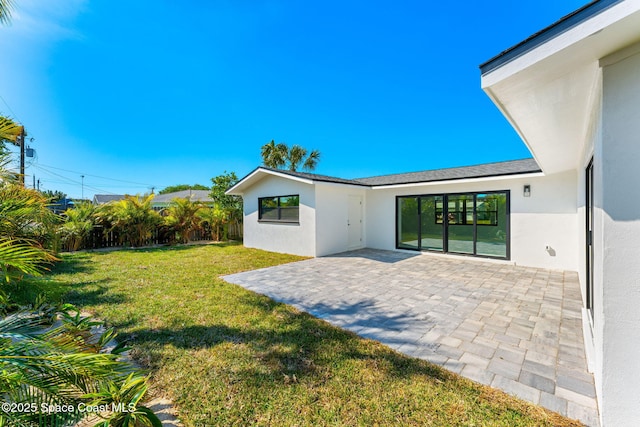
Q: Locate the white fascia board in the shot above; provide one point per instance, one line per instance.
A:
(256, 175)
(461, 181)
(562, 41)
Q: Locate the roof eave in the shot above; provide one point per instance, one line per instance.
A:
(541, 37)
(256, 175)
(461, 180)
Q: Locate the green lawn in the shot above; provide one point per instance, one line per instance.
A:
(227, 356)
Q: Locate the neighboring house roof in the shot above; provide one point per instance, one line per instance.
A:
(513, 167)
(100, 199)
(193, 195)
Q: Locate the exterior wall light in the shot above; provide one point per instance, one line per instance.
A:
(527, 191)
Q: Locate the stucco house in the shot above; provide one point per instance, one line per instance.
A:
(572, 92)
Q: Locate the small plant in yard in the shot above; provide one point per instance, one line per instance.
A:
(125, 396)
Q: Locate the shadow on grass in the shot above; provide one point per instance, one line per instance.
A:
(94, 293)
(72, 263)
(296, 344)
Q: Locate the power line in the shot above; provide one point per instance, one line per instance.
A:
(10, 109)
(101, 177)
(71, 181)
(68, 181)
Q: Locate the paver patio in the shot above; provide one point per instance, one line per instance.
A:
(514, 328)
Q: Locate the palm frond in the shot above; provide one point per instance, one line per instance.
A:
(24, 258)
(312, 161)
(6, 7)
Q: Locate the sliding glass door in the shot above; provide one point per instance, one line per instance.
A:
(460, 232)
(465, 223)
(431, 231)
(491, 225)
(407, 223)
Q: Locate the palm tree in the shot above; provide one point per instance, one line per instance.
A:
(77, 226)
(214, 219)
(274, 155)
(26, 228)
(9, 130)
(183, 217)
(280, 156)
(297, 154)
(5, 11)
(132, 217)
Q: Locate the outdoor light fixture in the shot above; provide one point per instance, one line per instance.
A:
(527, 190)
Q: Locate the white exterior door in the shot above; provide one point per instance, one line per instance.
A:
(354, 222)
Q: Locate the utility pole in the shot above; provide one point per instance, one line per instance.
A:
(82, 176)
(34, 182)
(22, 156)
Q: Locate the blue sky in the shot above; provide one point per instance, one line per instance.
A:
(141, 94)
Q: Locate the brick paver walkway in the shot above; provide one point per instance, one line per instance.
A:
(514, 328)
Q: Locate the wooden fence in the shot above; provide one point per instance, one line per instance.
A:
(98, 238)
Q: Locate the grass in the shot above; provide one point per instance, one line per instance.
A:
(227, 356)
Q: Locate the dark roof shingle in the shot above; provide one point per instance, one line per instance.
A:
(513, 167)
(315, 177)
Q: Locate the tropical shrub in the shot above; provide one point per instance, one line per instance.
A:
(24, 215)
(77, 226)
(182, 218)
(27, 228)
(132, 218)
(230, 205)
(45, 366)
(213, 219)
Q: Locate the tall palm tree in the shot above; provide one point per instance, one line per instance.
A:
(274, 155)
(6, 7)
(280, 156)
(297, 155)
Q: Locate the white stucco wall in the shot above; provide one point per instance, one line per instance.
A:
(619, 171)
(297, 239)
(332, 216)
(547, 218)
